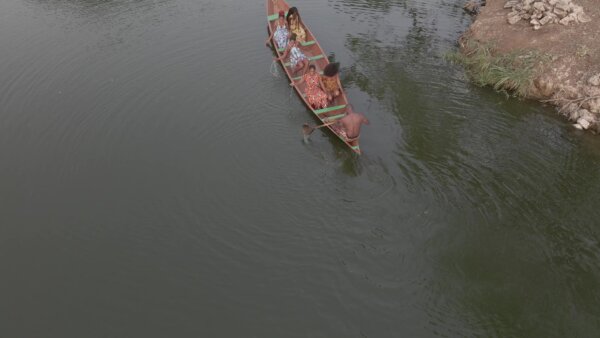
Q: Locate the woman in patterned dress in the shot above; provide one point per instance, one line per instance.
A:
(330, 80)
(298, 60)
(295, 24)
(281, 33)
(315, 95)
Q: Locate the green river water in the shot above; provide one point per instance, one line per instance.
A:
(154, 182)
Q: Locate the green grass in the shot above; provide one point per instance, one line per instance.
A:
(512, 73)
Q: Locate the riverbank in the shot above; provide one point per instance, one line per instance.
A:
(545, 50)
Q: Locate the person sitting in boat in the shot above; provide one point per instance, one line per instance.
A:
(330, 80)
(298, 60)
(349, 125)
(295, 24)
(315, 95)
(281, 34)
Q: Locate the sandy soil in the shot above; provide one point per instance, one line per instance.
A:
(575, 52)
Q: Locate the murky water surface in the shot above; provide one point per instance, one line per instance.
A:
(155, 183)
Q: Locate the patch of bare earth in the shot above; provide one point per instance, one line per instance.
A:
(567, 79)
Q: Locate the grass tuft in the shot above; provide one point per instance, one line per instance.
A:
(512, 73)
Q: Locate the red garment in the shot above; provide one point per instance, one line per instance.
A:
(315, 96)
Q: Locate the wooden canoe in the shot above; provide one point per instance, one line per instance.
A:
(316, 55)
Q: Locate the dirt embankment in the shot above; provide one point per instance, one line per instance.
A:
(565, 36)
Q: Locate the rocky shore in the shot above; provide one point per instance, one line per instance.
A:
(550, 50)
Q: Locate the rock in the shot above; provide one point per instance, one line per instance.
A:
(583, 18)
(546, 19)
(539, 6)
(594, 80)
(571, 110)
(573, 17)
(585, 124)
(574, 115)
(471, 7)
(594, 105)
(566, 20)
(544, 12)
(513, 19)
(578, 126)
(562, 4)
(560, 12)
(586, 115)
(582, 114)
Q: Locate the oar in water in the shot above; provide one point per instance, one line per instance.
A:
(308, 129)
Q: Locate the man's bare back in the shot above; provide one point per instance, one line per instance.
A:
(352, 122)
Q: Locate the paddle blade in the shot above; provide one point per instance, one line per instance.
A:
(307, 129)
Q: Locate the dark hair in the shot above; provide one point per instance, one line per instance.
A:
(331, 69)
(312, 67)
(292, 11)
(293, 37)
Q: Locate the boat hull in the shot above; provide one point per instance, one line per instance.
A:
(317, 56)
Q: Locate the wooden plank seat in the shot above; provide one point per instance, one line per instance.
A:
(310, 58)
(329, 109)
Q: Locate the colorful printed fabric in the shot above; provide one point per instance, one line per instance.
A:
(315, 96)
(296, 56)
(330, 83)
(297, 29)
(281, 36)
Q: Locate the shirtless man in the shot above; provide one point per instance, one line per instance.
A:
(351, 123)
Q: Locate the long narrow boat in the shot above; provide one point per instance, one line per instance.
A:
(316, 56)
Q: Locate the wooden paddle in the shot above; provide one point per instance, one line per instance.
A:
(307, 129)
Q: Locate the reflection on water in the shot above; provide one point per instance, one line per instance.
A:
(480, 158)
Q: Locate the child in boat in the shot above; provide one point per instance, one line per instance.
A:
(295, 24)
(315, 95)
(330, 80)
(298, 60)
(281, 33)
